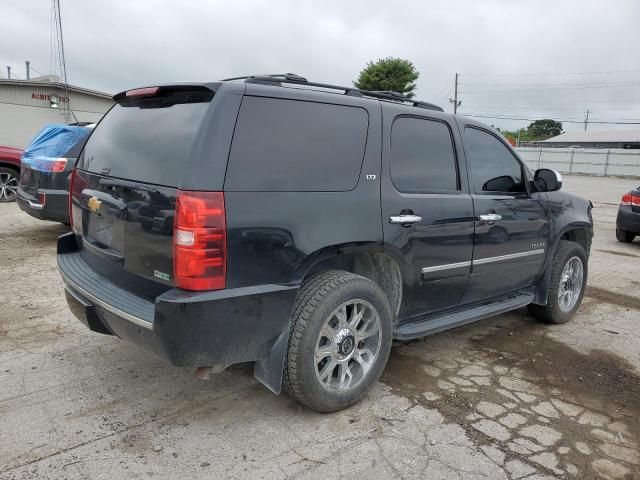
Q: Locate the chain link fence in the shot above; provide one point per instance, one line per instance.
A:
(584, 161)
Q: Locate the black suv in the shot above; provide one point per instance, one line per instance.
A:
(304, 226)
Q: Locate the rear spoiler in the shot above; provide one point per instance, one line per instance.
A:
(160, 91)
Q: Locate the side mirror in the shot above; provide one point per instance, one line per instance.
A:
(504, 183)
(547, 180)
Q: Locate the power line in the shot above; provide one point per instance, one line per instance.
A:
(578, 105)
(501, 117)
(36, 70)
(546, 74)
(539, 116)
(547, 84)
(55, 5)
(517, 90)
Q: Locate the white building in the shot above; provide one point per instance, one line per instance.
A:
(27, 105)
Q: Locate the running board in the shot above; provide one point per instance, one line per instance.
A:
(422, 328)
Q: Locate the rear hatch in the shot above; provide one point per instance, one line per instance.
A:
(125, 186)
(47, 162)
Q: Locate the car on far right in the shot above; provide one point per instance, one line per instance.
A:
(628, 221)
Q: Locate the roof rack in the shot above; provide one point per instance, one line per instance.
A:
(292, 78)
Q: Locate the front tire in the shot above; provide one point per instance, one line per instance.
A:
(567, 284)
(340, 340)
(624, 236)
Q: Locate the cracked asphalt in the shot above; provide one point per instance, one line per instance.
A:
(505, 398)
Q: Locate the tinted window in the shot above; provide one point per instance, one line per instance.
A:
(289, 145)
(148, 140)
(493, 167)
(422, 156)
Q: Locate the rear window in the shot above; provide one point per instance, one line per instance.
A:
(147, 140)
(291, 145)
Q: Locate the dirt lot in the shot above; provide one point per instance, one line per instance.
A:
(505, 398)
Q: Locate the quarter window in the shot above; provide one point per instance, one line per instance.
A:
(493, 168)
(291, 145)
(422, 156)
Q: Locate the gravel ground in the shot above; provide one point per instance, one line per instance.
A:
(505, 398)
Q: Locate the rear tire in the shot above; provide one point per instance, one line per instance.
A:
(566, 286)
(8, 184)
(624, 236)
(340, 340)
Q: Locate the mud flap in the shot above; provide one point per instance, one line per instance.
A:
(269, 371)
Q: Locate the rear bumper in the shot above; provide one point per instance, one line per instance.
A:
(627, 219)
(55, 208)
(184, 328)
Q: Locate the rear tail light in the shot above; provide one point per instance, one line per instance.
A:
(71, 182)
(48, 164)
(58, 165)
(200, 241)
(630, 199)
(77, 184)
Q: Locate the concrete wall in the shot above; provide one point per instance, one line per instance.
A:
(25, 109)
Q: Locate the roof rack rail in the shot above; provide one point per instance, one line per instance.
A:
(292, 78)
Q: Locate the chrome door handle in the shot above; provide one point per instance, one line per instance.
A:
(402, 219)
(490, 217)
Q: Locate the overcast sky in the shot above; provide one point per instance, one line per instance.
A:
(115, 45)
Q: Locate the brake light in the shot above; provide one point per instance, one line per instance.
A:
(142, 92)
(630, 199)
(200, 241)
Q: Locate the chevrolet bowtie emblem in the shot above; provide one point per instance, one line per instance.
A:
(94, 204)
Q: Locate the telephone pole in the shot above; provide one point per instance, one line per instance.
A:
(586, 120)
(454, 100)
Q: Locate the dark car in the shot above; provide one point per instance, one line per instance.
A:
(46, 170)
(9, 172)
(311, 226)
(628, 221)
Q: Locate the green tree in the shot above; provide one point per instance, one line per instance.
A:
(543, 129)
(389, 74)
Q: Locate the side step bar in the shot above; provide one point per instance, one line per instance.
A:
(424, 327)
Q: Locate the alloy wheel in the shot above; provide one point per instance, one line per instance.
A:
(348, 345)
(8, 186)
(570, 284)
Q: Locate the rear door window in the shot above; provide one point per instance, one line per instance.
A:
(422, 156)
(292, 145)
(147, 140)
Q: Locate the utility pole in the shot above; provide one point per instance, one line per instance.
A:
(9, 72)
(454, 100)
(586, 120)
(26, 62)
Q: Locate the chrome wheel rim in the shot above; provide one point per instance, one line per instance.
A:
(8, 186)
(570, 284)
(348, 346)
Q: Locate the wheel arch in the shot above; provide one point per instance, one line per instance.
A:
(369, 260)
(578, 232)
(12, 166)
